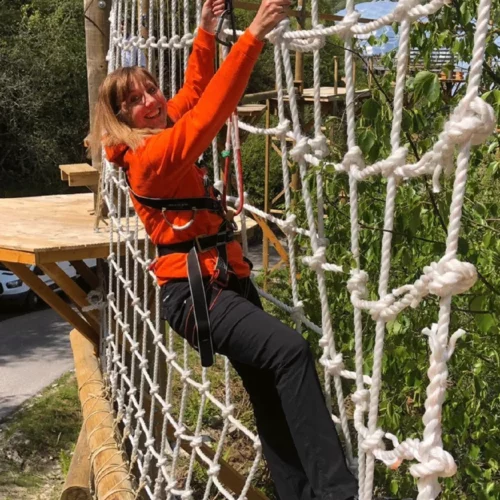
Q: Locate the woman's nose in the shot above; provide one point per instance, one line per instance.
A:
(148, 99)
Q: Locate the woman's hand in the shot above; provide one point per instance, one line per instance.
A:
(270, 13)
(211, 11)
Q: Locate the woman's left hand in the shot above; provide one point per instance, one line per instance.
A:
(210, 13)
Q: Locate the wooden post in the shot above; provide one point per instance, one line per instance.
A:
(96, 44)
(143, 15)
(299, 78)
(370, 72)
(335, 75)
(265, 240)
(77, 485)
(111, 474)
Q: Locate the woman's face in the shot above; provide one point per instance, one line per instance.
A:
(145, 105)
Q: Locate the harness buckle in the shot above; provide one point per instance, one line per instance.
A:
(199, 245)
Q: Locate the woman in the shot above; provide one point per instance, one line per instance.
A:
(157, 143)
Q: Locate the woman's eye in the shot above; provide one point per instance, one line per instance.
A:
(152, 90)
(134, 99)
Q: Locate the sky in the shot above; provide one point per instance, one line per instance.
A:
(374, 10)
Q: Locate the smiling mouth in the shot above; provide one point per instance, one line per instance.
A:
(153, 115)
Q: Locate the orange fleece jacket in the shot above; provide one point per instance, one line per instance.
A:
(163, 166)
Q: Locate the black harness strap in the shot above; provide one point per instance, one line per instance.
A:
(179, 204)
(200, 307)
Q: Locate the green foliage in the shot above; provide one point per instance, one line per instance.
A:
(471, 414)
(43, 100)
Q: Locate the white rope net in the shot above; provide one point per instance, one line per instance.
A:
(166, 403)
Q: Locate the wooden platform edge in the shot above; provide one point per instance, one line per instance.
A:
(111, 473)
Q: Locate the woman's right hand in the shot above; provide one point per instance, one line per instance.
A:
(270, 13)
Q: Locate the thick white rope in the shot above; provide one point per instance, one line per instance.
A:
(137, 352)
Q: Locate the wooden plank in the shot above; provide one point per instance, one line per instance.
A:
(79, 174)
(251, 110)
(53, 300)
(110, 470)
(73, 291)
(272, 237)
(86, 273)
(16, 256)
(77, 484)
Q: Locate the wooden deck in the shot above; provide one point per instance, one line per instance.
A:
(329, 94)
(48, 229)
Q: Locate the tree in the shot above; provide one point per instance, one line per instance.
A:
(43, 104)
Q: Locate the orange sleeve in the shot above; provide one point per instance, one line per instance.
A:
(199, 72)
(168, 152)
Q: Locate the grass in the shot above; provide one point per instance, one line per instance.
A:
(37, 441)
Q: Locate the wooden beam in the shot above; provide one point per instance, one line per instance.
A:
(77, 484)
(60, 255)
(259, 96)
(86, 273)
(272, 237)
(73, 291)
(17, 256)
(110, 470)
(54, 301)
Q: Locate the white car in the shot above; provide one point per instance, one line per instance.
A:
(13, 290)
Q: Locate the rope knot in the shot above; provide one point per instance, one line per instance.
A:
(396, 159)
(282, 128)
(277, 33)
(345, 26)
(297, 312)
(373, 441)
(300, 149)
(196, 442)
(204, 388)
(319, 146)
(214, 470)
(317, 260)
(361, 398)
(472, 121)
(439, 462)
(334, 366)
(450, 277)
(289, 225)
(228, 411)
(357, 283)
(353, 161)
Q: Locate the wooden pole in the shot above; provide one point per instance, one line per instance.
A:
(96, 45)
(111, 476)
(335, 75)
(77, 485)
(370, 72)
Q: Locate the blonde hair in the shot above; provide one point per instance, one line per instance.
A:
(110, 126)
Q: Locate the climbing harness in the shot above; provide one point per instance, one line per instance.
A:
(192, 248)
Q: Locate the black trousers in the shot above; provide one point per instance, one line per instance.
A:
(299, 440)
